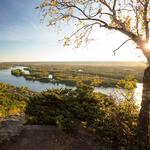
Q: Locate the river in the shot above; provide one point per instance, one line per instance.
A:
(6, 77)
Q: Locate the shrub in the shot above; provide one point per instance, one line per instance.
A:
(12, 100)
(17, 72)
(69, 109)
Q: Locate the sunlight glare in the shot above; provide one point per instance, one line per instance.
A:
(147, 45)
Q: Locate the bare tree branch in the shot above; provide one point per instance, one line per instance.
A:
(130, 17)
(114, 51)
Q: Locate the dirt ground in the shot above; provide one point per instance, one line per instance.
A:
(38, 137)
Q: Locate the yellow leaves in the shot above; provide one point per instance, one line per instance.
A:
(113, 23)
(84, 124)
(54, 3)
(79, 81)
(96, 82)
(66, 41)
(129, 83)
(14, 111)
(128, 22)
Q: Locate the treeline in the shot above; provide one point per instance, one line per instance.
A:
(108, 76)
(5, 66)
(17, 72)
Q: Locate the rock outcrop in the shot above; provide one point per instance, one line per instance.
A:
(10, 128)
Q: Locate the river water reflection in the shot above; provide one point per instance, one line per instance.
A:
(6, 77)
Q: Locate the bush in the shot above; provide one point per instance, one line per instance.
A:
(114, 121)
(13, 100)
(17, 72)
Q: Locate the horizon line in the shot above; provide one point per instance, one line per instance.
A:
(73, 61)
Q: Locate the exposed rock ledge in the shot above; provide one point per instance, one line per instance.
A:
(16, 136)
(10, 128)
(36, 137)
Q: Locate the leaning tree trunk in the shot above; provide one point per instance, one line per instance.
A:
(143, 122)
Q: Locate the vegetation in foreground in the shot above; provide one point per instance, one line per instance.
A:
(13, 100)
(112, 121)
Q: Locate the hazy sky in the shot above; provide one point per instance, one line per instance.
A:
(24, 38)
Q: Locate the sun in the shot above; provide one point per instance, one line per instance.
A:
(147, 45)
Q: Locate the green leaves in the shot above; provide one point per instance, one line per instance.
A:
(82, 108)
(128, 84)
(12, 100)
(17, 72)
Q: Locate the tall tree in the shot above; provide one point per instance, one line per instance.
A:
(130, 17)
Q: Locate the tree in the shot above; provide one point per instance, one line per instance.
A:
(130, 17)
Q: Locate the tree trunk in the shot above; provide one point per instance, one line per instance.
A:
(143, 122)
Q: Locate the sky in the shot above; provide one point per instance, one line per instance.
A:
(24, 38)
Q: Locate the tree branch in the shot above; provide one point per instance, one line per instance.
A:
(114, 51)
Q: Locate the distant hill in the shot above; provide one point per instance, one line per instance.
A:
(97, 63)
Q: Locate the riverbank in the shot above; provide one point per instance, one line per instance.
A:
(68, 74)
(37, 86)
